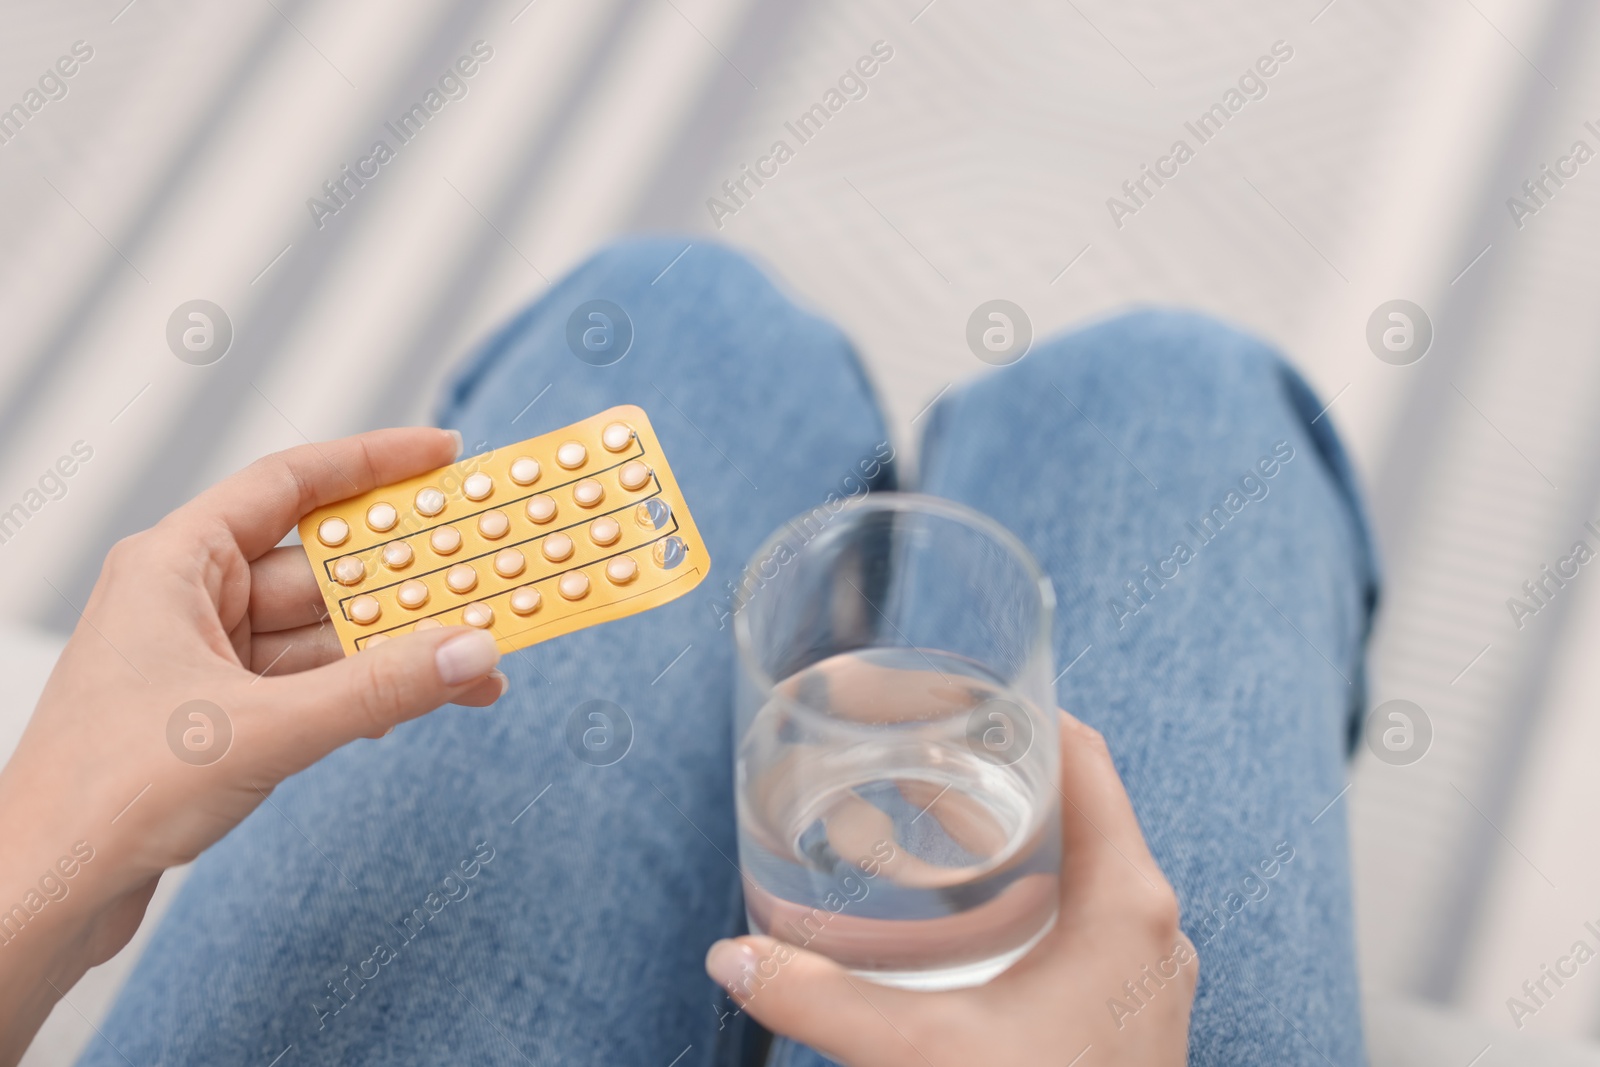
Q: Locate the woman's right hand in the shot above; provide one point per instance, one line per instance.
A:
(1112, 983)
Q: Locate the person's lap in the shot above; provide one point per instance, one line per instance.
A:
(1227, 684)
(581, 939)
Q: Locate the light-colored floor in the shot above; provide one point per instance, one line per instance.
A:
(978, 165)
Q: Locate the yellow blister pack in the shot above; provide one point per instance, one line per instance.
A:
(531, 541)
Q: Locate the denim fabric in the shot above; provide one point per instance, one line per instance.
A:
(572, 930)
(1228, 686)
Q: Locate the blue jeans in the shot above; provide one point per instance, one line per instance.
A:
(466, 890)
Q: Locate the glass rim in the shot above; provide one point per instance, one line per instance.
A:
(923, 503)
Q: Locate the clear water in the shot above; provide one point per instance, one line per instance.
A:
(904, 851)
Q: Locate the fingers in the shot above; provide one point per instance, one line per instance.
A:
(263, 502)
(283, 591)
(1102, 845)
(306, 647)
(484, 692)
(968, 821)
(815, 1001)
(366, 694)
(290, 651)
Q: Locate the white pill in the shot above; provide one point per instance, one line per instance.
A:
(524, 470)
(493, 524)
(572, 455)
(461, 578)
(477, 486)
(445, 540)
(622, 570)
(365, 610)
(588, 493)
(634, 475)
(574, 586)
(347, 570)
(479, 615)
(374, 641)
(616, 436)
(508, 563)
(541, 509)
(412, 594)
(428, 624)
(382, 516)
(605, 531)
(430, 501)
(396, 555)
(333, 531)
(557, 547)
(526, 601)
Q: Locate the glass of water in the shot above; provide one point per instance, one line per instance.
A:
(897, 762)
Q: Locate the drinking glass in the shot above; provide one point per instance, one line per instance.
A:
(896, 744)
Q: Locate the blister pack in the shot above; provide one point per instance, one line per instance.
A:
(537, 539)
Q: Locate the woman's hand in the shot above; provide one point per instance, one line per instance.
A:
(1114, 978)
(112, 783)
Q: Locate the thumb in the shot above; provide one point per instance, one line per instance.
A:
(813, 1000)
(366, 694)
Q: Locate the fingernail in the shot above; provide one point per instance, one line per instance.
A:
(466, 656)
(731, 963)
(455, 435)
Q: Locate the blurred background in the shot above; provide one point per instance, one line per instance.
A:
(1384, 159)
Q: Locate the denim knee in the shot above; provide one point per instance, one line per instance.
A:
(636, 265)
(1181, 367)
(1188, 403)
(1158, 374)
(697, 310)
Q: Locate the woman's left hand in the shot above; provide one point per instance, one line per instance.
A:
(200, 676)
